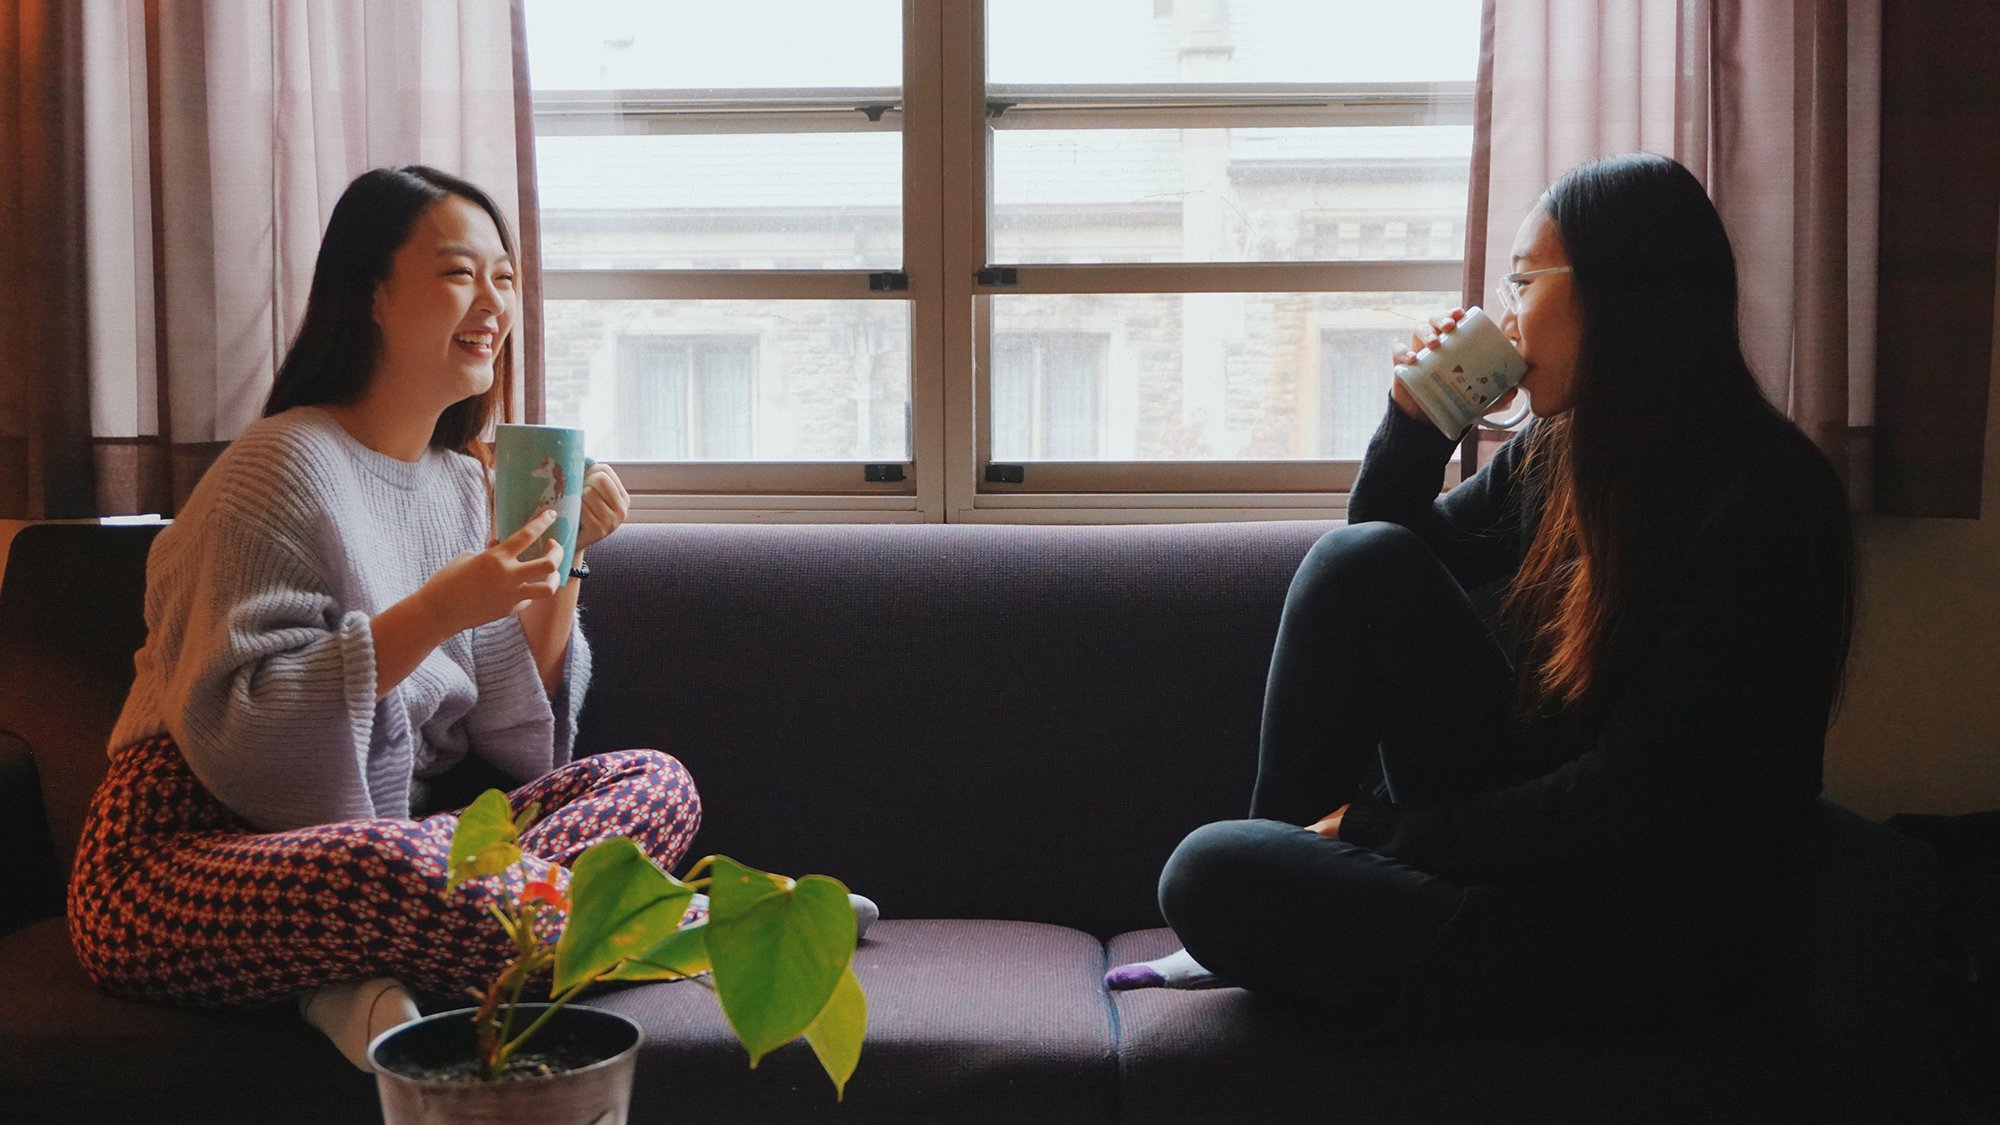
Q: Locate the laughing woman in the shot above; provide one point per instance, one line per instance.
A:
(1580, 818)
(330, 629)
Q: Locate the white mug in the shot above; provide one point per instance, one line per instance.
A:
(1458, 381)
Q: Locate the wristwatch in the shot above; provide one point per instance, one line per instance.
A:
(580, 570)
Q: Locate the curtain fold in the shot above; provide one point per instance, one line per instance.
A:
(529, 355)
(219, 135)
(45, 452)
(1770, 105)
(1940, 209)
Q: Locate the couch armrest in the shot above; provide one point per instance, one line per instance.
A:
(34, 881)
(1854, 952)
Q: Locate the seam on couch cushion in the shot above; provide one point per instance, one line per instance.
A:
(1110, 1008)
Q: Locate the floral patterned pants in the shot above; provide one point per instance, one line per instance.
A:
(176, 900)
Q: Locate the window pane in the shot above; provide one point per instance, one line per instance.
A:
(1071, 385)
(734, 380)
(645, 44)
(723, 201)
(1230, 195)
(1013, 398)
(722, 387)
(1164, 41)
(629, 180)
(1204, 376)
(1046, 389)
(652, 399)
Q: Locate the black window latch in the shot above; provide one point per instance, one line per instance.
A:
(1005, 474)
(890, 472)
(888, 281)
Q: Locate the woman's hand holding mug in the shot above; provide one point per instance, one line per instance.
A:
(481, 586)
(1428, 336)
(1457, 369)
(605, 505)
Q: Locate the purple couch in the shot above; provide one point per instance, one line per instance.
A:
(999, 733)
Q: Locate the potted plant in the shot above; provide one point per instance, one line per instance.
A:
(776, 952)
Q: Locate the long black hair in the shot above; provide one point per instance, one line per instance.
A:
(335, 352)
(1663, 405)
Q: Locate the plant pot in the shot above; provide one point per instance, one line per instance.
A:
(602, 1050)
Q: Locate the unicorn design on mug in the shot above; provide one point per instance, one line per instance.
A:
(538, 469)
(554, 487)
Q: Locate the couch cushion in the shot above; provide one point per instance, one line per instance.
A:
(72, 613)
(1172, 1044)
(959, 721)
(70, 1053)
(967, 1021)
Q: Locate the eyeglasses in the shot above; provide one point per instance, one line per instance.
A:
(1509, 288)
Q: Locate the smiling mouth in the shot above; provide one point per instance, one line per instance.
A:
(478, 343)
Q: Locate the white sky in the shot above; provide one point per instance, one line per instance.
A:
(599, 44)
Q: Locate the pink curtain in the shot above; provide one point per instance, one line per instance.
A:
(215, 137)
(1773, 105)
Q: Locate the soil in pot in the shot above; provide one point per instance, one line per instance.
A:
(578, 1068)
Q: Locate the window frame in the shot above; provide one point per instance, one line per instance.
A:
(942, 113)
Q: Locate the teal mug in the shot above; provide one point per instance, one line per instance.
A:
(536, 468)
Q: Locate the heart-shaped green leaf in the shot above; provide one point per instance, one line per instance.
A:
(485, 841)
(778, 950)
(835, 1036)
(683, 954)
(621, 906)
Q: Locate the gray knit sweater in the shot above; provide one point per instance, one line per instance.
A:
(259, 660)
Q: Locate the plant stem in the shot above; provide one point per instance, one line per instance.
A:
(507, 1050)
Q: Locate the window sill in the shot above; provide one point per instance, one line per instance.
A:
(1036, 508)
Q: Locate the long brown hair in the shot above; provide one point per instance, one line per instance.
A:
(334, 354)
(1663, 404)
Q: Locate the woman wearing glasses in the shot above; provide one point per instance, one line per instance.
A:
(1571, 815)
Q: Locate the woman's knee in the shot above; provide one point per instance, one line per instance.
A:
(656, 767)
(1203, 880)
(1367, 549)
(1378, 560)
(662, 807)
(672, 785)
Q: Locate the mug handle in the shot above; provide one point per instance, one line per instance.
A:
(1519, 416)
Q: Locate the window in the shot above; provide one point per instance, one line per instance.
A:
(1046, 395)
(684, 399)
(1351, 387)
(993, 259)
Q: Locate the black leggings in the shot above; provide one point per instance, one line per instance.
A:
(1380, 657)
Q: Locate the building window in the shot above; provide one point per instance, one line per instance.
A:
(1353, 388)
(684, 399)
(1047, 392)
(1098, 241)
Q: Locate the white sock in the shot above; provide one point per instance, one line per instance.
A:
(1175, 970)
(865, 911)
(352, 1013)
(865, 914)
